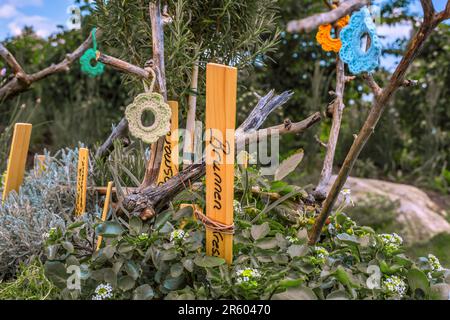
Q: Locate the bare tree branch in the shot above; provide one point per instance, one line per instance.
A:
(444, 14)
(23, 81)
(314, 21)
(154, 163)
(378, 107)
(146, 202)
(337, 111)
(373, 85)
(10, 60)
(428, 9)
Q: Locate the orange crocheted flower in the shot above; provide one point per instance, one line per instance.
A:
(325, 39)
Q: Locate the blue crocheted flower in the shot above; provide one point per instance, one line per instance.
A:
(359, 61)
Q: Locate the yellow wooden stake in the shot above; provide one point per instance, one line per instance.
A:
(17, 158)
(221, 87)
(169, 164)
(105, 210)
(83, 164)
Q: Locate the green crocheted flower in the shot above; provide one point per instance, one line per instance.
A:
(96, 69)
(87, 66)
(154, 103)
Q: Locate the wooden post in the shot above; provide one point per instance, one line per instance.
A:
(17, 158)
(83, 165)
(221, 87)
(169, 164)
(105, 210)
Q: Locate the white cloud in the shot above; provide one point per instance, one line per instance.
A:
(41, 25)
(25, 3)
(391, 33)
(7, 11)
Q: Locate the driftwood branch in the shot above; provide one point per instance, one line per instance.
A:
(146, 202)
(312, 22)
(154, 163)
(11, 60)
(22, 81)
(188, 148)
(337, 109)
(378, 106)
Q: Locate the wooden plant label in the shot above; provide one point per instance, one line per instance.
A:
(82, 172)
(105, 210)
(221, 87)
(169, 164)
(17, 158)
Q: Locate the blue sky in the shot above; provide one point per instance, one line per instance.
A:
(45, 15)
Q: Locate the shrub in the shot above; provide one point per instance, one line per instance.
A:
(46, 200)
(165, 259)
(30, 284)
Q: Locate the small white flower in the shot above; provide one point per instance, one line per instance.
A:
(177, 235)
(395, 286)
(347, 194)
(392, 242)
(434, 262)
(292, 240)
(103, 292)
(3, 72)
(237, 206)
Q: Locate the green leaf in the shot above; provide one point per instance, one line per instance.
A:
(347, 238)
(132, 269)
(174, 283)
(109, 229)
(188, 264)
(144, 292)
(296, 250)
(287, 283)
(338, 295)
(186, 212)
(176, 270)
(68, 246)
(299, 293)
(344, 277)
(260, 231)
(110, 276)
(56, 272)
(162, 218)
(135, 226)
(266, 244)
(418, 280)
(126, 283)
(289, 165)
(75, 225)
(208, 262)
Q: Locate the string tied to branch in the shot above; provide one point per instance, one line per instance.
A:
(89, 60)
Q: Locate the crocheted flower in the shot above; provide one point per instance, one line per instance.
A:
(154, 103)
(86, 63)
(359, 61)
(325, 39)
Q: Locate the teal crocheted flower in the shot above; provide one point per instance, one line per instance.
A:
(89, 56)
(87, 66)
(358, 60)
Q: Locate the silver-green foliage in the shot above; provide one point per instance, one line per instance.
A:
(46, 200)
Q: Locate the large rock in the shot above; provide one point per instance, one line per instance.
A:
(420, 217)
